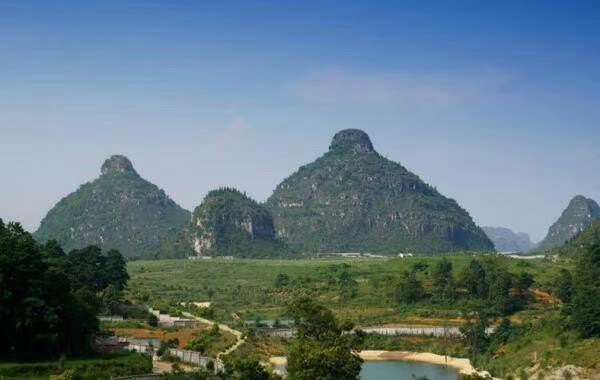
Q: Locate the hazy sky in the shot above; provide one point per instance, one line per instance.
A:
(496, 103)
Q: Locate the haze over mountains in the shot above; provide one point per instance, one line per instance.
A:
(505, 240)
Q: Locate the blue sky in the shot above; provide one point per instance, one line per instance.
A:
(497, 104)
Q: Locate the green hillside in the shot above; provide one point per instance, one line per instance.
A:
(227, 223)
(354, 199)
(577, 217)
(117, 210)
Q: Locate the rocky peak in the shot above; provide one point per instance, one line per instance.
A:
(577, 217)
(117, 164)
(582, 203)
(228, 222)
(351, 140)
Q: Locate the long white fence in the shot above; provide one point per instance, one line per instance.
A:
(194, 357)
(450, 332)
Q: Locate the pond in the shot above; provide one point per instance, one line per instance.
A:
(405, 370)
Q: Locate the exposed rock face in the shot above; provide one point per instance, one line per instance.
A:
(352, 140)
(353, 199)
(117, 210)
(505, 240)
(227, 222)
(581, 242)
(577, 217)
(117, 164)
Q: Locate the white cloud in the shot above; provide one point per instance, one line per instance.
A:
(335, 86)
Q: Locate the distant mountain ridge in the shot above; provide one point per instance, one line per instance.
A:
(579, 215)
(505, 240)
(353, 199)
(117, 210)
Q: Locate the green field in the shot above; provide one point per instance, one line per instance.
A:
(104, 367)
(247, 287)
(248, 290)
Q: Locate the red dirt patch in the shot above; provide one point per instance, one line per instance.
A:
(185, 336)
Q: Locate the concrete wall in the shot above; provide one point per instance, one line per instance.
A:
(194, 357)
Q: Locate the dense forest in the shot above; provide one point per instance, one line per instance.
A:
(49, 299)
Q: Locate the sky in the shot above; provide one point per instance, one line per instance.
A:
(495, 103)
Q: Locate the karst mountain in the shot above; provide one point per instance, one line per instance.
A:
(352, 199)
(505, 240)
(118, 210)
(579, 215)
(227, 223)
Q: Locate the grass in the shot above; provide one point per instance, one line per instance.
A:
(211, 342)
(247, 287)
(546, 341)
(103, 367)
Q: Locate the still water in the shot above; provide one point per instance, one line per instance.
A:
(405, 371)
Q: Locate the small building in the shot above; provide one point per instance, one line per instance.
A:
(109, 345)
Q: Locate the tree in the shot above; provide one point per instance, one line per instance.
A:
(410, 289)
(499, 284)
(152, 320)
(115, 269)
(474, 332)
(348, 286)
(282, 280)
(585, 307)
(246, 369)
(562, 287)
(210, 292)
(443, 282)
(40, 314)
(110, 299)
(87, 268)
(473, 278)
(322, 349)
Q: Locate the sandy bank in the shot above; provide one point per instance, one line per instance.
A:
(463, 366)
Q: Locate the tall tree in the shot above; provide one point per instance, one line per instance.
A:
(443, 282)
(410, 289)
(585, 307)
(500, 282)
(322, 349)
(116, 269)
(473, 278)
(562, 287)
(474, 332)
(246, 369)
(88, 268)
